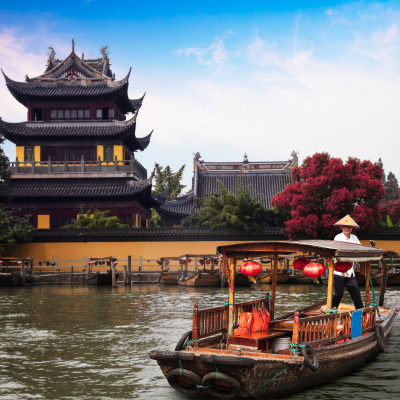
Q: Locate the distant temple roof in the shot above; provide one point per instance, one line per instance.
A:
(265, 179)
(77, 130)
(75, 77)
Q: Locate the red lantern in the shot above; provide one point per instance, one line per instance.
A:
(189, 260)
(250, 268)
(314, 270)
(300, 263)
(201, 261)
(208, 261)
(343, 266)
(166, 262)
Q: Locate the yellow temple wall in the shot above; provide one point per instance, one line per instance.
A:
(121, 250)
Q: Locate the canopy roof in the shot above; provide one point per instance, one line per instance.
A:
(342, 251)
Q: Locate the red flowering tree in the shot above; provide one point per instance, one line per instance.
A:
(325, 189)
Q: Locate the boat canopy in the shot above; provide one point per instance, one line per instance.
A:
(341, 251)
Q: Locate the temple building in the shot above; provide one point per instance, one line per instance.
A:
(265, 179)
(77, 148)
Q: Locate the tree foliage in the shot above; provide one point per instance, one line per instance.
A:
(168, 180)
(13, 229)
(96, 219)
(230, 210)
(325, 189)
(391, 187)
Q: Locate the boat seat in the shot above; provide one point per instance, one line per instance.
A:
(256, 338)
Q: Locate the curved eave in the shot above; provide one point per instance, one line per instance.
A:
(38, 131)
(141, 143)
(46, 191)
(24, 91)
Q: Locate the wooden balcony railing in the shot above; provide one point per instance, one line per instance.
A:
(78, 166)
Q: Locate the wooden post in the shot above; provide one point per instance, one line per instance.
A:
(273, 290)
(383, 283)
(231, 307)
(129, 270)
(330, 284)
(140, 264)
(195, 327)
(31, 267)
(113, 274)
(23, 271)
(56, 263)
(367, 275)
(125, 275)
(295, 334)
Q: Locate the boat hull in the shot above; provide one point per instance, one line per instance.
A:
(281, 277)
(201, 279)
(169, 278)
(101, 279)
(267, 375)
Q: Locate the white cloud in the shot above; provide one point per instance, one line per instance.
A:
(213, 55)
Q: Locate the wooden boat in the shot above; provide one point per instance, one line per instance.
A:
(10, 279)
(240, 280)
(101, 278)
(301, 349)
(301, 279)
(169, 276)
(392, 279)
(204, 273)
(281, 277)
(200, 278)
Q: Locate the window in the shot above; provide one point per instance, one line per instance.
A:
(60, 114)
(53, 114)
(80, 114)
(87, 114)
(105, 113)
(74, 114)
(37, 114)
(67, 114)
(98, 113)
(28, 154)
(108, 153)
(111, 113)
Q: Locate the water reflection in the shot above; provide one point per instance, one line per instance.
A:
(81, 342)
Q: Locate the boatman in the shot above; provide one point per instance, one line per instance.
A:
(347, 279)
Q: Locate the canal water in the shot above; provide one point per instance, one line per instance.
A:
(85, 342)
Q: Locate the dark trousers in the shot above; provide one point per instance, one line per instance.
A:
(352, 286)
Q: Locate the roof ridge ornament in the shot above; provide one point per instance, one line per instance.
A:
(52, 53)
(103, 51)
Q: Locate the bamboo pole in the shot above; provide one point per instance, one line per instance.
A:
(232, 270)
(330, 285)
(114, 282)
(367, 286)
(273, 290)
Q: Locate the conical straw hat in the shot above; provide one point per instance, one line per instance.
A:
(347, 221)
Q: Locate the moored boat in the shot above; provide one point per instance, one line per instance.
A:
(281, 277)
(204, 272)
(306, 347)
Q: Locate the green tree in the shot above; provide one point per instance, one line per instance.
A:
(391, 187)
(13, 229)
(229, 210)
(168, 180)
(96, 219)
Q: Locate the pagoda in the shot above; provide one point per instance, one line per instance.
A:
(77, 148)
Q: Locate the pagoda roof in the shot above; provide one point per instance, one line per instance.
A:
(80, 189)
(78, 130)
(75, 78)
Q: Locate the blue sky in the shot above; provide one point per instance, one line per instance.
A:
(224, 78)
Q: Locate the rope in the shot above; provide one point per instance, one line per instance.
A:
(217, 376)
(331, 311)
(266, 382)
(374, 303)
(190, 341)
(295, 347)
(181, 368)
